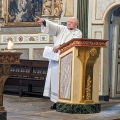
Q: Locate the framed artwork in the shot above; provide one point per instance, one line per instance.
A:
(22, 12)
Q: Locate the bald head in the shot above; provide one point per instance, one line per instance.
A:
(72, 23)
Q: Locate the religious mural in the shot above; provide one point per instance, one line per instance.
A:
(23, 10)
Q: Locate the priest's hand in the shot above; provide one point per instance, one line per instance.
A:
(56, 48)
(38, 19)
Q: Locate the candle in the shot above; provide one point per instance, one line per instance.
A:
(10, 45)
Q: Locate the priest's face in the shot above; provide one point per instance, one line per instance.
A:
(72, 23)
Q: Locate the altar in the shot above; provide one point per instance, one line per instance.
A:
(6, 59)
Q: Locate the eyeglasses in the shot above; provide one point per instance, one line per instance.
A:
(71, 22)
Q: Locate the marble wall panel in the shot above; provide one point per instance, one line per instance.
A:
(97, 32)
(65, 76)
(101, 8)
(69, 8)
(25, 52)
(37, 54)
(98, 35)
(20, 30)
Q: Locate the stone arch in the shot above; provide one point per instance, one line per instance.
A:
(112, 58)
(109, 10)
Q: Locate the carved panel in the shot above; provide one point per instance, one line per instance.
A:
(26, 38)
(52, 7)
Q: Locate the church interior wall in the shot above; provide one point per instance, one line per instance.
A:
(29, 39)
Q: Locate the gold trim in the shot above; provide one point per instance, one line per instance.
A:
(75, 103)
(87, 56)
(6, 59)
(82, 42)
(88, 88)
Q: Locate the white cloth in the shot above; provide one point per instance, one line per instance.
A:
(63, 35)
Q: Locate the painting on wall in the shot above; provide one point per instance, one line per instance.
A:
(22, 12)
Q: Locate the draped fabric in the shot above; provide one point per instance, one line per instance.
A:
(82, 15)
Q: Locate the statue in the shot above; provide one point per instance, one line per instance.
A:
(58, 8)
(47, 9)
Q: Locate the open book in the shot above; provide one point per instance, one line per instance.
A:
(49, 54)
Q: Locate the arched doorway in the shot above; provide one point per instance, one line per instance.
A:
(112, 26)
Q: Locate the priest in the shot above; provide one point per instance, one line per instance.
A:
(63, 34)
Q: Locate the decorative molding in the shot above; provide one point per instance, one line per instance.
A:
(98, 35)
(83, 42)
(7, 58)
(26, 38)
(20, 30)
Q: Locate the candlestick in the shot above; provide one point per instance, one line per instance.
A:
(10, 45)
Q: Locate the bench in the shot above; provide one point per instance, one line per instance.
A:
(28, 77)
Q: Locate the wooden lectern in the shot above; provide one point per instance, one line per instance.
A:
(77, 88)
(6, 59)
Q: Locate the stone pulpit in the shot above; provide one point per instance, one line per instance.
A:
(6, 59)
(78, 90)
